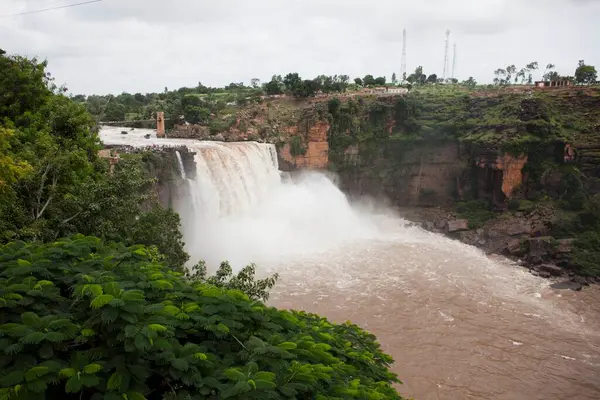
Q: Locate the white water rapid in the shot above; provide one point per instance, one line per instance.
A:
(459, 324)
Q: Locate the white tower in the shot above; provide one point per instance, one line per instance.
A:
(454, 62)
(446, 55)
(403, 67)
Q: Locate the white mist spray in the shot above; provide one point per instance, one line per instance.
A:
(246, 213)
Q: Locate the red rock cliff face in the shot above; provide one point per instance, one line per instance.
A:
(499, 176)
(317, 148)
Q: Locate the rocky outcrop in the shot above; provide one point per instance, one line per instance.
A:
(457, 225)
(511, 236)
(315, 145)
(499, 176)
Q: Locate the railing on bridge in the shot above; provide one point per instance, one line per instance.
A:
(160, 123)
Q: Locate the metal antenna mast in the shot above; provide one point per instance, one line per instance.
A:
(446, 55)
(403, 67)
(454, 61)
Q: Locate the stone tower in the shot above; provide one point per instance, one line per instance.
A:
(160, 124)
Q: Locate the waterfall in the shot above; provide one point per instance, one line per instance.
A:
(238, 207)
(181, 167)
(246, 213)
(231, 178)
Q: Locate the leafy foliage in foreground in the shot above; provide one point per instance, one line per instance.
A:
(84, 320)
(243, 281)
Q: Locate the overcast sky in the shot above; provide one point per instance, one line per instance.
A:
(145, 45)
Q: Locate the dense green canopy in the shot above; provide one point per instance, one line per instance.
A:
(84, 320)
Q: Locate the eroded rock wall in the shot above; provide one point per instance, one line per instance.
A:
(316, 147)
(426, 174)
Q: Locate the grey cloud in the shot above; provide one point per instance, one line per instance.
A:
(144, 45)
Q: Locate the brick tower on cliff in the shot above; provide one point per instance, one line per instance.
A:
(160, 124)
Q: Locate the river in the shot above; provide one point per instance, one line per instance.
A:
(459, 324)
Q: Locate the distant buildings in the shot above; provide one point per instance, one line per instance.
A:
(548, 84)
(386, 90)
(397, 90)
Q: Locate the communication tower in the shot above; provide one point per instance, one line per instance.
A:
(454, 61)
(403, 67)
(446, 55)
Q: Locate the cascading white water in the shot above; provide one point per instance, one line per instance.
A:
(247, 214)
(181, 167)
(459, 324)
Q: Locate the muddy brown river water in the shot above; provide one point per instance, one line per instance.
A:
(459, 324)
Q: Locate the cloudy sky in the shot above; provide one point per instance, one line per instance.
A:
(145, 45)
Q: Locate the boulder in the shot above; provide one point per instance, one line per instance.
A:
(581, 279)
(534, 260)
(541, 274)
(508, 226)
(518, 227)
(550, 269)
(514, 248)
(567, 285)
(440, 223)
(541, 247)
(457, 225)
(469, 237)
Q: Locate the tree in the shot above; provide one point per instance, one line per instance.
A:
(394, 79)
(128, 196)
(368, 80)
(255, 83)
(292, 82)
(548, 72)
(358, 81)
(24, 85)
(308, 88)
(243, 281)
(418, 76)
(54, 184)
(110, 321)
(471, 82)
(432, 78)
(585, 74)
(511, 70)
(380, 80)
(529, 68)
(114, 112)
(273, 88)
(11, 169)
(195, 109)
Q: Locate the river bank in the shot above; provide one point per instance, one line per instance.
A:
(521, 237)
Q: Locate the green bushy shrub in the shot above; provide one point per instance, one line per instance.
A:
(477, 212)
(83, 320)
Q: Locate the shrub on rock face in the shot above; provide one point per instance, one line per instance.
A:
(83, 320)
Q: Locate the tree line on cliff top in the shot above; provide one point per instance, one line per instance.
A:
(201, 104)
(94, 301)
